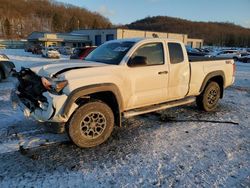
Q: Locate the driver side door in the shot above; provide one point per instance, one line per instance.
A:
(148, 79)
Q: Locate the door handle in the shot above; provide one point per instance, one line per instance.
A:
(163, 72)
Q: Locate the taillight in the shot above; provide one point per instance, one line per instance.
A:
(234, 69)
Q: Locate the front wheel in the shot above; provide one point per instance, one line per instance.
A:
(208, 99)
(91, 124)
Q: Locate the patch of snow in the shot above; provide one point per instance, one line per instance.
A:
(26, 59)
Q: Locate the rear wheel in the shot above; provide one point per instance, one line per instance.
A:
(91, 124)
(208, 99)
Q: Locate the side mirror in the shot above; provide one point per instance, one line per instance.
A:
(137, 61)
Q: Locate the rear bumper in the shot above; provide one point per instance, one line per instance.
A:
(49, 111)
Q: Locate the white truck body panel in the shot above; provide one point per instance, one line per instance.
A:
(202, 69)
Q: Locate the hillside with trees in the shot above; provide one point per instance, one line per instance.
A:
(221, 34)
(18, 18)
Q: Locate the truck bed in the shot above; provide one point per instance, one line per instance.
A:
(202, 66)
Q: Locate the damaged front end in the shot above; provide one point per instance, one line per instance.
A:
(38, 96)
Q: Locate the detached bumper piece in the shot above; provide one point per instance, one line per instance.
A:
(31, 96)
(44, 112)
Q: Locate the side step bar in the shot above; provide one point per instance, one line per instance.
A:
(162, 106)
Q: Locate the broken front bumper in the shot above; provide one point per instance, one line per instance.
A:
(47, 111)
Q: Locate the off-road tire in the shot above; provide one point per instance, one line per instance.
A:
(208, 99)
(91, 124)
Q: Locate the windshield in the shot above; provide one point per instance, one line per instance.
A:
(110, 53)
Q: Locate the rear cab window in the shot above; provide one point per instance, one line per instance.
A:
(175, 53)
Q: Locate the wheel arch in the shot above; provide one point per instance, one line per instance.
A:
(217, 76)
(107, 92)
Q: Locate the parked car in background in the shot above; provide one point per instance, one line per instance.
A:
(37, 49)
(244, 58)
(28, 48)
(4, 57)
(204, 50)
(50, 53)
(5, 67)
(81, 53)
(235, 54)
(65, 50)
(195, 52)
(244, 53)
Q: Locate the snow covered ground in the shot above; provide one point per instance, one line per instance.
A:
(180, 147)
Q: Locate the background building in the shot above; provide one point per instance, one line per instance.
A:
(99, 36)
(194, 43)
(12, 43)
(58, 39)
(96, 37)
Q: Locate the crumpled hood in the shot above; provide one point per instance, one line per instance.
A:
(59, 67)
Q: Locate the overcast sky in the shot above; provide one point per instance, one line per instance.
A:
(127, 11)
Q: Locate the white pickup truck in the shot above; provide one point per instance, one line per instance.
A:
(121, 78)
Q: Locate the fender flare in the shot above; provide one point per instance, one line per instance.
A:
(210, 76)
(91, 89)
